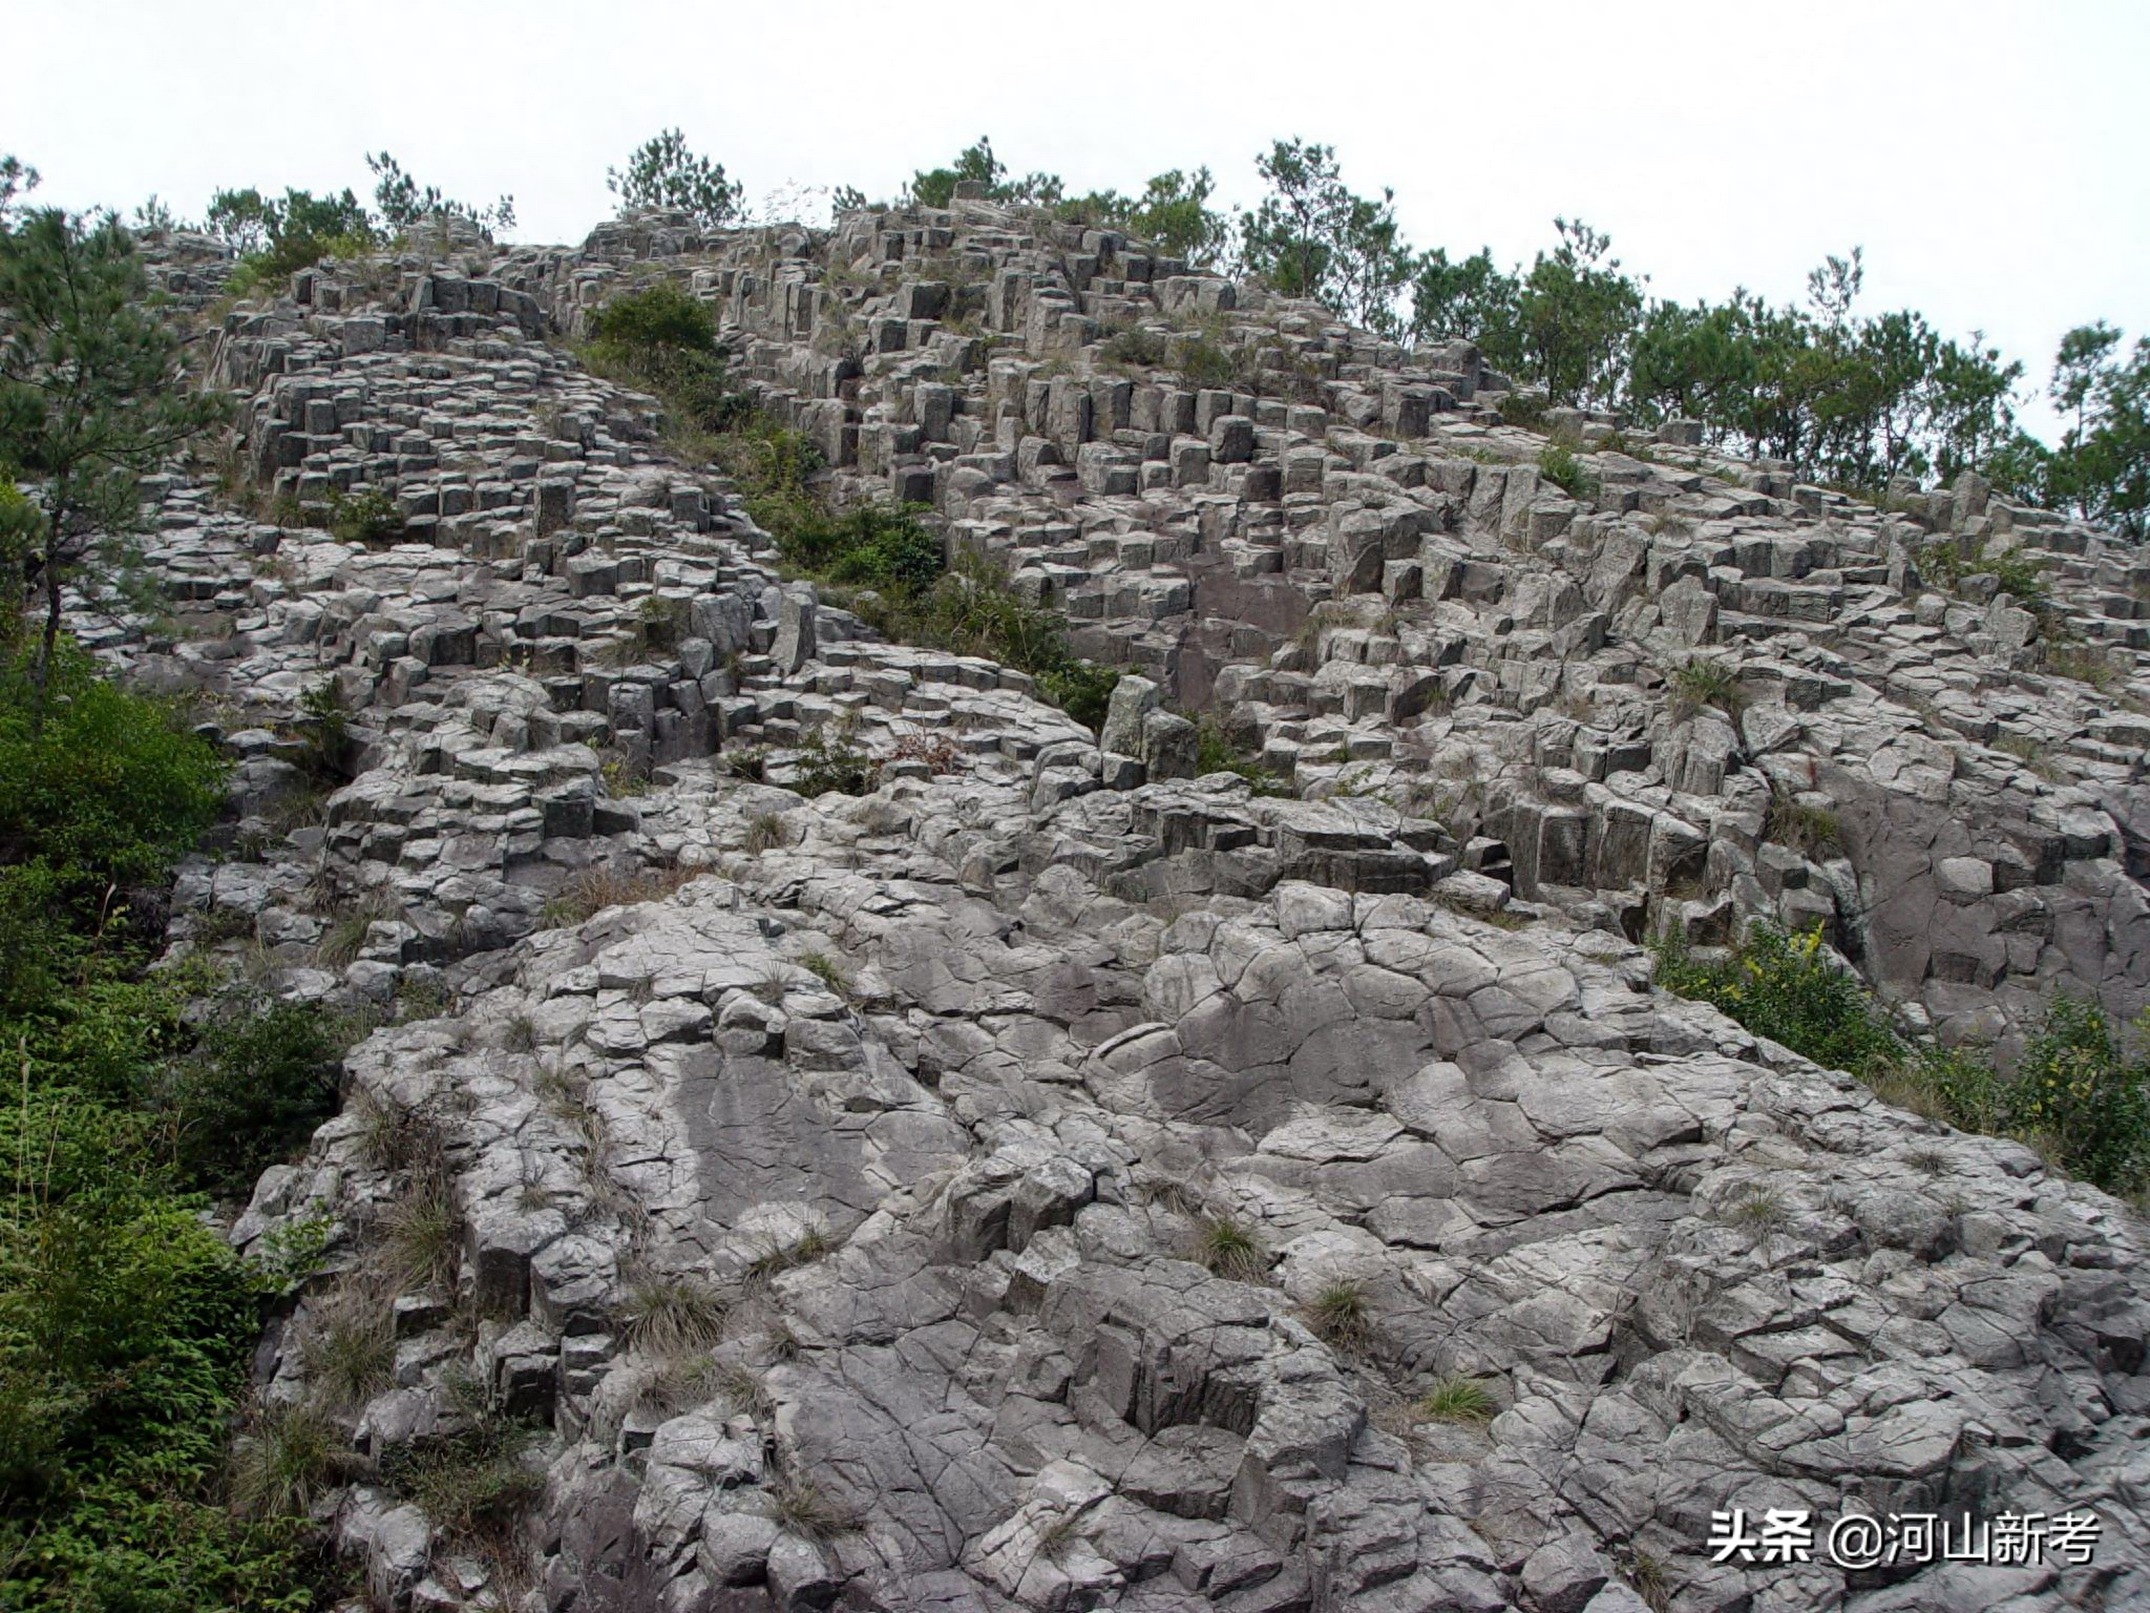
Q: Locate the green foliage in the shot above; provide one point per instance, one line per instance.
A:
(17, 178)
(976, 165)
(966, 608)
(866, 545)
(2079, 1092)
(404, 205)
(261, 1077)
(125, 1329)
(660, 315)
(472, 1482)
(325, 727)
(91, 400)
(1338, 1314)
(125, 1323)
(2013, 572)
(1703, 683)
(1456, 1399)
(667, 1314)
(1215, 753)
(369, 517)
(1810, 830)
(1782, 988)
(1311, 236)
(2101, 470)
(98, 798)
(277, 236)
(665, 172)
(1557, 464)
(830, 761)
(1172, 213)
(664, 339)
(1232, 1252)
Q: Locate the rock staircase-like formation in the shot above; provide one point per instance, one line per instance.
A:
(1050, 1180)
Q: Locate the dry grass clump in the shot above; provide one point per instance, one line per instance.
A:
(595, 889)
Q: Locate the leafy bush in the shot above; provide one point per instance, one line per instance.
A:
(1558, 465)
(1782, 988)
(125, 1328)
(126, 1324)
(1082, 689)
(661, 315)
(664, 339)
(369, 517)
(665, 172)
(870, 546)
(1215, 753)
(277, 236)
(2077, 1091)
(830, 761)
(262, 1076)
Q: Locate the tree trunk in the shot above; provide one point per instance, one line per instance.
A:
(48, 642)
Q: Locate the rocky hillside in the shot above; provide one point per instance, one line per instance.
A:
(1058, 1177)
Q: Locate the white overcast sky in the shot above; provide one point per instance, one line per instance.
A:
(1993, 159)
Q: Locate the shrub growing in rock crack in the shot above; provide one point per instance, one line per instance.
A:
(810, 1245)
(472, 1481)
(1456, 1399)
(1783, 988)
(827, 969)
(1807, 829)
(1230, 1251)
(1339, 1316)
(350, 1347)
(287, 1458)
(1704, 683)
(810, 1512)
(422, 1232)
(666, 1314)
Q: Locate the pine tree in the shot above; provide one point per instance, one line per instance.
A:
(91, 399)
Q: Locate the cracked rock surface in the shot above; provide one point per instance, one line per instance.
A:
(1077, 1171)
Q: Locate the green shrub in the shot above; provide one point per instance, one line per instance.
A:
(1215, 753)
(126, 1324)
(664, 314)
(1082, 689)
(1521, 408)
(865, 546)
(1136, 345)
(108, 794)
(1202, 362)
(830, 761)
(325, 728)
(1809, 830)
(1456, 1399)
(664, 338)
(369, 517)
(262, 1076)
(2078, 1092)
(1702, 683)
(472, 1482)
(1782, 988)
(1558, 465)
